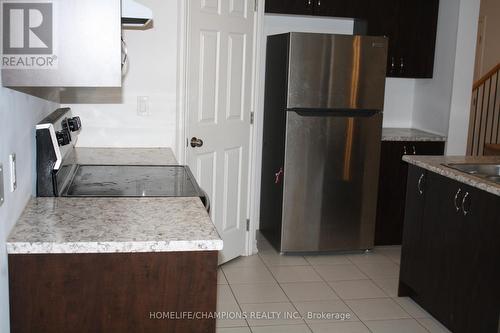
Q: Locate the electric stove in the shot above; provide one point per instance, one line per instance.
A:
(60, 174)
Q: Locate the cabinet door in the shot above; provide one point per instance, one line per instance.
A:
(382, 18)
(392, 187)
(411, 26)
(340, 8)
(478, 304)
(416, 42)
(440, 243)
(412, 257)
(297, 7)
(426, 148)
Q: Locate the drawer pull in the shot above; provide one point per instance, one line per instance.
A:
(457, 206)
(419, 185)
(465, 211)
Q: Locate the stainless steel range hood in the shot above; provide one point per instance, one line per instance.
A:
(135, 15)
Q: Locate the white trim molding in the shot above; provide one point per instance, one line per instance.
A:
(182, 56)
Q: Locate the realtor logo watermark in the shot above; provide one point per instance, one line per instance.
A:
(28, 35)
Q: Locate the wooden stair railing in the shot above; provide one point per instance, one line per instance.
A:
(484, 124)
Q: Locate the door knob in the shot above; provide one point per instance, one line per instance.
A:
(195, 142)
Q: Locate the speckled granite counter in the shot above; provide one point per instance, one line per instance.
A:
(435, 164)
(409, 134)
(113, 225)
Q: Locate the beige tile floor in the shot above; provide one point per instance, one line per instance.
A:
(362, 287)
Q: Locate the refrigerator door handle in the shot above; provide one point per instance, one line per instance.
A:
(334, 112)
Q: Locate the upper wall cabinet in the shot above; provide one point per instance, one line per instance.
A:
(62, 43)
(411, 26)
(294, 7)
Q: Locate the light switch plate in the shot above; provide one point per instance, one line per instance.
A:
(2, 198)
(143, 106)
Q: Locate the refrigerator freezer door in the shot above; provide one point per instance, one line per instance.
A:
(331, 181)
(336, 72)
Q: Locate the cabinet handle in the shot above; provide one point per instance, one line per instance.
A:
(309, 2)
(401, 65)
(419, 185)
(319, 3)
(405, 151)
(393, 65)
(465, 211)
(124, 55)
(414, 150)
(457, 207)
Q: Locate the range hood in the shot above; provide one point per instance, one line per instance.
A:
(135, 15)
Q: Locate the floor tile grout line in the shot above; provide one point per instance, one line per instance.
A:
(286, 295)
(276, 281)
(369, 278)
(414, 319)
(331, 288)
(291, 302)
(236, 300)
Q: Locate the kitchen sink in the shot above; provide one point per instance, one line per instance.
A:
(489, 172)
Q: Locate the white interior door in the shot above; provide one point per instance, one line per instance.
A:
(219, 90)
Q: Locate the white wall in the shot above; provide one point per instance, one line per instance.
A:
(398, 104)
(463, 77)
(18, 115)
(442, 104)
(152, 72)
(433, 96)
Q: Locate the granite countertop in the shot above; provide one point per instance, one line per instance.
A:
(410, 134)
(435, 164)
(113, 225)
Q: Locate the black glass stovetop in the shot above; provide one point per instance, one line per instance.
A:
(131, 181)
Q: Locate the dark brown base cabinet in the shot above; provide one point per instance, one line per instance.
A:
(410, 25)
(76, 293)
(450, 255)
(392, 187)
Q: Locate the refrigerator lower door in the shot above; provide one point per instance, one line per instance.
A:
(331, 181)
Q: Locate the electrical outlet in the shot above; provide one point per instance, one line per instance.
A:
(13, 175)
(143, 106)
(2, 198)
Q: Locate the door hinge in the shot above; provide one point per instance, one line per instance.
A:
(248, 224)
(251, 118)
(256, 5)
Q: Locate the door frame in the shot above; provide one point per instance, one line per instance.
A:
(255, 146)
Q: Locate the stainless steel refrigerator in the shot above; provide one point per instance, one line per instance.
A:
(324, 96)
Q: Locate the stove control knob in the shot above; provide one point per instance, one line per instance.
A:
(63, 138)
(74, 124)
